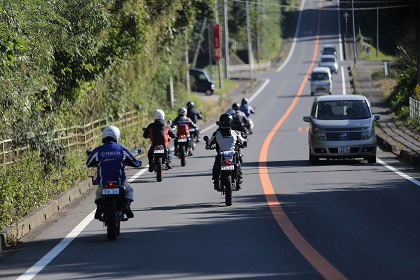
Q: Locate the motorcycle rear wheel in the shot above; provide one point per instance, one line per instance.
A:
(227, 187)
(159, 171)
(182, 155)
(111, 223)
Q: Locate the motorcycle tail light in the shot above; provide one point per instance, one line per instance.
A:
(182, 136)
(110, 184)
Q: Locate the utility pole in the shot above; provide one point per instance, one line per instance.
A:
(354, 34)
(226, 33)
(377, 30)
(248, 30)
(197, 50)
(257, 29)
(346, 15)
(187, 66)
(218, 61)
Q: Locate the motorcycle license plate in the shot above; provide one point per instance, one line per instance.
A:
(192, 129)
(320, 88)
(228, 167)
(343, 150)
(159, 151)
(182, 140)
(111, 191)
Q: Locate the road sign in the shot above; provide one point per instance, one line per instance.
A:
(217, 46)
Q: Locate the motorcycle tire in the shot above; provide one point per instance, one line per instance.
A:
(159, 170)
(227, 187)
(182, 155)
(118, 227)
(111, 223)
(193, 143)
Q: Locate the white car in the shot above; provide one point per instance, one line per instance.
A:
(330, 61)
(321, 80)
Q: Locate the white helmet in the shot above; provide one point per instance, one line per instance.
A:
(159, 115)
(182, 111)
(113, 132)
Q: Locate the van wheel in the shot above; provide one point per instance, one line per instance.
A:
(312, 93)
(329, 93)
(209, 92)
(371, 159)
(313, 159)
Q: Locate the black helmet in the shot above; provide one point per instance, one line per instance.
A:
(244, 101)
(190, 104)
(235, 106)
(225, 120)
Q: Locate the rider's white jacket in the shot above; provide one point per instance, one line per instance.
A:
(228, 142)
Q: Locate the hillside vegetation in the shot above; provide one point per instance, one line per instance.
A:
(66, 62)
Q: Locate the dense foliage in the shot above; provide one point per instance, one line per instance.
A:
(407, 74)
(66, 62)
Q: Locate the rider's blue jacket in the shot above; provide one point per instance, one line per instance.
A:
(248, 110)
(111, 159)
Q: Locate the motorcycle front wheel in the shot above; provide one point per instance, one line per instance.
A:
(227, 187)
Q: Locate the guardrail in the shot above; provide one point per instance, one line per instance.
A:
(415, 110)
(245, 67)
(72, 137)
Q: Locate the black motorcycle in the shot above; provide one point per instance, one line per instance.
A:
(159, 161)
(230, 171)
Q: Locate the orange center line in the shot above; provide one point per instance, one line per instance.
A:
(325, 268)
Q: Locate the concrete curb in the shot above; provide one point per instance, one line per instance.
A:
(40, 215)
(402, 154)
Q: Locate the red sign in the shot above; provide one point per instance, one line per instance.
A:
(217, 44)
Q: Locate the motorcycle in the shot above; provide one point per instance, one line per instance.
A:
(182, 148)
(194, 136)
(113, 205)
(159, 161)
(229, 179)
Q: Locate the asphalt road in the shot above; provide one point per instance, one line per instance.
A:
(338, 219)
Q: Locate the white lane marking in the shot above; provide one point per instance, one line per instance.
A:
(343, 79)
(402, 174)
(259, 90)
(42, 263)
(36, 268)
(294, 39)
(339, 33)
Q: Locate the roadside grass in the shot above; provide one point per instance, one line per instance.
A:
(372, 54)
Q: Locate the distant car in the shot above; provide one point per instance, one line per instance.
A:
(321, 80)
(341, 126)
(201, 81)
(329, 49)
(330, 61)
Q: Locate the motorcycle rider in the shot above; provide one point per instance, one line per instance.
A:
(241, 117)
(248, 110)
(111, 158)
(183, 124)
(159, 134)
(237, 124)
(194, 115)
(226, 139)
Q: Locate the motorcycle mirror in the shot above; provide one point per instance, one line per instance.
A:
(217, 122)
(136, 151)
(89, 151)
(170, 121)
(143, 128)
(206, 138)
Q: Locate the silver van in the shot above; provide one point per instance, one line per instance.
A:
(341, 126)
(321, 80)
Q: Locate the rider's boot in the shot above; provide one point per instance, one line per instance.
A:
(168, 165)
(127, 209)
(190, 152)
(99, 208)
